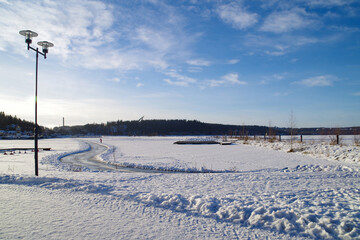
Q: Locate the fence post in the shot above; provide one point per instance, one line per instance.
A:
(337, 139)
(300, 138)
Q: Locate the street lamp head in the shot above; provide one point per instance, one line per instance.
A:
(28, 35)
(45, 45)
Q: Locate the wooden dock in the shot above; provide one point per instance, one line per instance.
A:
(22, 149)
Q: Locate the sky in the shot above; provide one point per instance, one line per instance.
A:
(239, 62)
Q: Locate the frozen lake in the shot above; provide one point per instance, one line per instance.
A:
(260, 191)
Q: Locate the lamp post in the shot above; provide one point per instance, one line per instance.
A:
(45, 49)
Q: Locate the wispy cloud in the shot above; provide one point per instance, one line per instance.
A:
(76, 29)
(330, 3)
(233, 61)
(178, 79)
(289, 20)
(97, 35)
(237, 16)
(199, 62)
(154, 39)
(176, 83)
(318, 81)
(273, 78)
(357, 94)
(279, 45)
(228, 79)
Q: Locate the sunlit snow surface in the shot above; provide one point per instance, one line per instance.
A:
(259, 191)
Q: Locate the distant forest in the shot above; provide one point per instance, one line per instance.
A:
(161, 127)
(9, 123)
(157, 127)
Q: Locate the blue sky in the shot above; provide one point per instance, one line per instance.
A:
(231, 62)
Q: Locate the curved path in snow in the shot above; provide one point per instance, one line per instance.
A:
(91, 159)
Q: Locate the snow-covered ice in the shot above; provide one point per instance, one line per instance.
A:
(257, 191)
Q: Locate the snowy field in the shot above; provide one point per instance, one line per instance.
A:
(247, 190)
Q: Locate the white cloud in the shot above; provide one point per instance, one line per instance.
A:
(329, 3)
(229, 79)
(139, 85)
(285, 21)
(75, 29)
(275, 53)
(278, 76)
(155, 39)
(176, 83)
(357, 94)
(318, 81)
(97, 35)
(233, 78)
(233, 61)
(237, 16)
(180, 80)
(273, 78)
(199, 62)
(279, 45)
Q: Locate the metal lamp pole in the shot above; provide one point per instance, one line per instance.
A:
(45, 45)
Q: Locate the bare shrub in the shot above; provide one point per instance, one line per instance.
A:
(246, 140)
(332, 139)
(357, 140)
(292, 125)
(335, 138)
(271, 133)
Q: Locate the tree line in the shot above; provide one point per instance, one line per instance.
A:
(161, 127)
(157, 127)
(8, 122)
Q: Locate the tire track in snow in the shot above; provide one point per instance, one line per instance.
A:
(91, 158)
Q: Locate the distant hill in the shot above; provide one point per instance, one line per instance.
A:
(157, 127)
(162, 127)
(8, 123)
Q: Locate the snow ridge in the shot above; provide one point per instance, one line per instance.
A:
(325, 214)
(321, 220)
(344, 153)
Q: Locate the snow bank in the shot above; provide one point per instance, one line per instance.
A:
(325, 214)
(54, 183)
(322, 218)
(344, 153)
(319, 168)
